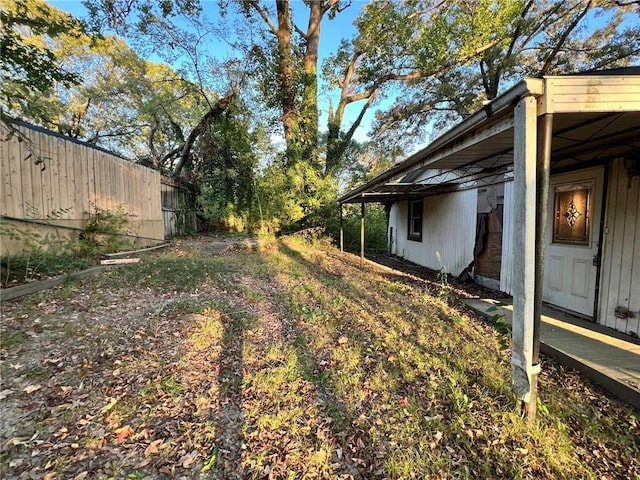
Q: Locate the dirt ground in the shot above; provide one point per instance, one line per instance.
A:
(123, 377)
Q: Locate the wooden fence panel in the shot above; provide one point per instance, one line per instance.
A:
(178, 209)
(75, 179)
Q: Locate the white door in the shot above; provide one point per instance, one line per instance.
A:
(572, 240)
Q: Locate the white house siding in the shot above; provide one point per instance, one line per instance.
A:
(620, 276)
(392, 233)
(506, 267)
(448, 231)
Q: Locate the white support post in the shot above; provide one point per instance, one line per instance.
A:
(523, 375)
(362, 235)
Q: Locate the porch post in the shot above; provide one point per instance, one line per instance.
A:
(362, 235)
(341, 230)
(543, 167)
(523, 373)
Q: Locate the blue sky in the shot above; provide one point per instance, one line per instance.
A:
(333, 31)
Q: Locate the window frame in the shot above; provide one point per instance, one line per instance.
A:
(415, 212)
(559, 216)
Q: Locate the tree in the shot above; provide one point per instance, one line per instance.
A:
(524, 38)
(30, 66)
(290, 58)
(153, 27)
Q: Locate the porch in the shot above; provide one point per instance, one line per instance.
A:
(609, 358)
(582, 126)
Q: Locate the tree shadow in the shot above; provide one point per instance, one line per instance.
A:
(229, 416)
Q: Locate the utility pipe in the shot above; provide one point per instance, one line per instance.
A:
(543, 168)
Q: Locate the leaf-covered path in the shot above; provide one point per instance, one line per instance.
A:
(282, 361)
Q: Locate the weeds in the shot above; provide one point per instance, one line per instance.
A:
(104, 232)
(500, 323)
(50, 254)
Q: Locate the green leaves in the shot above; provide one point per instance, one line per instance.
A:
(30, 66)
(438, 61)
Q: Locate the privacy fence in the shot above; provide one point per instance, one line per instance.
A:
(53, 184)
(178, 213)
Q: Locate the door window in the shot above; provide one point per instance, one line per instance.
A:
(572, 213)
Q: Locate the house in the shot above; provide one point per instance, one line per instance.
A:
(549, 171)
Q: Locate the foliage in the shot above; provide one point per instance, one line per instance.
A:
(453, 56)
(225, 166)
(210, 119)
(502, 326)
(375, 227)
(104, 231)
(285, 64)
(30, 66)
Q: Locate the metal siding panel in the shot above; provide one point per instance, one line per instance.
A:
(506, 269)
(634, 291)
(591, 94)
(393, 220)
(448, 232)
(620, 285)
(628, 254)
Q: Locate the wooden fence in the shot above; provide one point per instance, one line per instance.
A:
(178, 209)
(50, 182)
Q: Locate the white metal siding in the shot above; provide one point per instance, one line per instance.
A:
(506, 268)
(392, 234)
(448, 231)
(620, 276)
(592, 94)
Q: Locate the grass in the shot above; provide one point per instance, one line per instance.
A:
(291, 362)
(38, 264)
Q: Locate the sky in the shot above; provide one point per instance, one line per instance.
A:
(333, 31)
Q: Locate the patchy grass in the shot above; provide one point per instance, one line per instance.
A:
(37, 265)
(283, 362)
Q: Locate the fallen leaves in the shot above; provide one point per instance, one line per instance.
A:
(5, 393)
(341, 396)
(29, 389)
(112, 403)
(123, 433)
(153, 447)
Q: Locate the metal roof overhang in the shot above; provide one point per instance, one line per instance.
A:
(480, 149)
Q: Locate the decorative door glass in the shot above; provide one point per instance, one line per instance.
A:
(572, 214)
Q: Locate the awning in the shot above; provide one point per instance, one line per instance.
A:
(591, 125)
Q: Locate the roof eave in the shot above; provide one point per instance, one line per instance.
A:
(508, 100)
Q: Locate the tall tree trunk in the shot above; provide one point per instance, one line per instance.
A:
(286, 81)
(309, 117)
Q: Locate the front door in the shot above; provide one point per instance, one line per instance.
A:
(572, 240)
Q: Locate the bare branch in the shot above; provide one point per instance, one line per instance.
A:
(263, 13)
(427, 11)
(416, 75)
(563, 38)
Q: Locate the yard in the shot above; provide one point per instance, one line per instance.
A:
(283, 361)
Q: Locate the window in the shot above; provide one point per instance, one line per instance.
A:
(415, 220)
(572, 212)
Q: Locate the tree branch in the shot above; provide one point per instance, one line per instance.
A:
(425, 12)
(563, 38)
(209, 117)
(263, 13)
(415, 75)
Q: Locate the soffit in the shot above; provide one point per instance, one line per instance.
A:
(485, 155)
